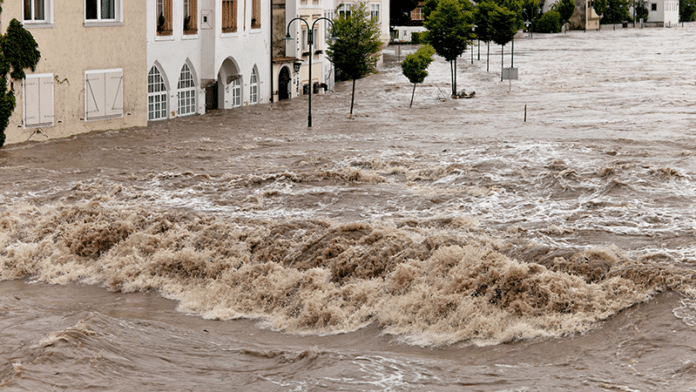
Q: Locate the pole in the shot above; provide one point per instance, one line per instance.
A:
(512, 58)
(310, 38)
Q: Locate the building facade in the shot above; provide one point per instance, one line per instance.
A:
(92, 73)
(207, 54)
(663, 12)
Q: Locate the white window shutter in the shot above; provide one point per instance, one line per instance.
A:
(94, 95)
(114, 93)
(46, 100)
(31, 102)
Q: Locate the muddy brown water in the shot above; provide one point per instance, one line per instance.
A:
(450, 246)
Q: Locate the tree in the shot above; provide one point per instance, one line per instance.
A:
(504, 26)
(357, 49)
(616, 11)
(565, 8)
(18, 51)
(415, 64)
(400, 11)
(449, 32)
(530, 12)
(687, 10)
(550, 22)
(641, 10)
(483, 19)
(431, 5)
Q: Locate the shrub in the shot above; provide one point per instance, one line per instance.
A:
(415, 38)
(550, 22)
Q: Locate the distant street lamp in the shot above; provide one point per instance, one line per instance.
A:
(473, 29)
(310, 42)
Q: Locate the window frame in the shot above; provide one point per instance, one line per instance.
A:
(186, 90)
(47, 21)
(190, 11)
(233, 26)
(236, 92)
(344, 9)
(99, 21)
(255, 14)
(161, 113)
(372, 13)
(254, 87)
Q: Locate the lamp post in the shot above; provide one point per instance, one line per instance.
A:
(310, 42)
(473, 30)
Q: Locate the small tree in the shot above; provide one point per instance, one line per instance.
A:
(565, 8)
(504, 26)
(449, 31)
(415, 64)
(18, 51)
(357, 49)
(641, 10)
(550, 22)
(687, 10)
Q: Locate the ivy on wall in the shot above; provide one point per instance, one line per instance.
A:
(18, 51)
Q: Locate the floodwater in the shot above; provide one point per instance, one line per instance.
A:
(539, 236)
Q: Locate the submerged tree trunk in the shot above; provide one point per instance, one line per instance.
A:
(488, 55)
(412, 94)
(502, 61)
(454, 78)
(352, 99)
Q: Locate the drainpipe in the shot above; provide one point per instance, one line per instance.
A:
(271, 45)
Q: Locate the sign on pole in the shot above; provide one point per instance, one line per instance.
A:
(510, 74)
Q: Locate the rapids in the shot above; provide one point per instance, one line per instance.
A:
(446, 246)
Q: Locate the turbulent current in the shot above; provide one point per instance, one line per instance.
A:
(539, 236)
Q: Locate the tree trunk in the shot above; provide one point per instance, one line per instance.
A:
(502, 61)
(412, 94)
(454, 75)
(352, 99)
(488, 55)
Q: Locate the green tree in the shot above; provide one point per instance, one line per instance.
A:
(504, 26)
(616, 11)
(415, 65)
(400, 11)
(483, 19)
(565, 8)
(18, 51)
(358, 47)
(449, 32)
(641, 10)
(550, 22)
(687, 10)
(431, 5)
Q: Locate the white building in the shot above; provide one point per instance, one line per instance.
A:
(663, 12)
(207, 54)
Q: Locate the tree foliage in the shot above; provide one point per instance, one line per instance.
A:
(565, 8)
(687, 10)
(358, 48)
(504, 24)
(431, 5)
(415, 66)
(400, 11)
(641, 11)
(18, 51)
(449, 32)
(530, 12)
(616, 11)
(550, 22)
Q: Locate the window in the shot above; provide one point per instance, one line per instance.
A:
(187, 92)
(164, 17)
(417, 14)
(102, 10)
(36, 11)
(156, 96)
(38, 100)
(254, 88)
(190, 16)
(256, 14)
(344, 10)
(236, 92)
(374, 11)
(315, 38)
(229, 16)
(103, 94)
(654, 7)
(304, 40)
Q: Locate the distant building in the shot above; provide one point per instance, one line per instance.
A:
(414, 25)
(663, 12)
(92, 74)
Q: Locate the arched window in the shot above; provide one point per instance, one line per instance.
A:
(254, 88)
(236, 92)
(156, 95)
(187, 92)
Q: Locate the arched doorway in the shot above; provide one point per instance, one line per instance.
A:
(284, 84)
(229, 85)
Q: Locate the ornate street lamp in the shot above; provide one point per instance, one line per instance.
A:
(310, 42)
